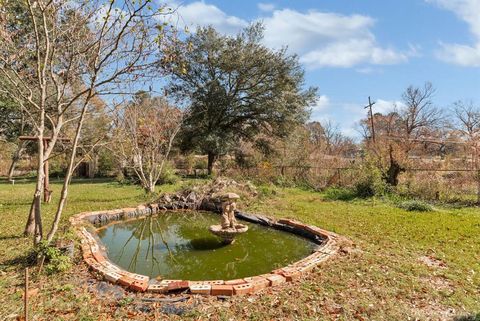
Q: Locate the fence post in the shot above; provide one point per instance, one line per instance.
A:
(25, 299)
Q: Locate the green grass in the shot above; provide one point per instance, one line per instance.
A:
(386, 276)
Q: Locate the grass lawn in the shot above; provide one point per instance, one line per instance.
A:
(406, 265)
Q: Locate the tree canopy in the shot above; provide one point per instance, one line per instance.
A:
(236, 88)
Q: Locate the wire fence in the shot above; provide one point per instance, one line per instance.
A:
(439, 184)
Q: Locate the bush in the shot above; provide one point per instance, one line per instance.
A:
(168, 175)
(106, 164)
(265, 191)
(339, 194)
(370, 182)
(283, 181)
(415, 205)
(56, 260)
(200, 163)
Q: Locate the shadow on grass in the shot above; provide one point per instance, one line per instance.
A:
(59, 180)
(472, 317)
(27, 259)
(18, 180)
(11, 237)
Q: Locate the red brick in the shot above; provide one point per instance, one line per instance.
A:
(167, 282)
(291, 275)
(278, 271)
(241, 289)
(97, 267)
(293, 223)
(86, 253)
(222, 290)
(211, 282)
(235, 282)
(98, 257)
(157, 288)
(204, 289)
(258, 283)
(139, 277)
(317, 231)
(112, 267)
(276, 279)
(180, 285)
(90, 261)
(140, 286)
(112, 276)
(125, 281)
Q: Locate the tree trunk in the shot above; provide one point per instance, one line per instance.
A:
(68, 176)
(393, 172)
(15, 159)
(30, 226)
(391, 176)
(211, 162)
(150, 188)
(37, 197)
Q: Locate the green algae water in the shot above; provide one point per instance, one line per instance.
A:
(178, 245)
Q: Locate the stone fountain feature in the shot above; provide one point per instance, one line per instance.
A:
(229, 227)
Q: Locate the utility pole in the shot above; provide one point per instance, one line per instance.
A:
(370, 105)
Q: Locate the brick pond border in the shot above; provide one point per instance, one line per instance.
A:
(93, 254)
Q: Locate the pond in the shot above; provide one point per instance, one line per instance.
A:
(178, 245)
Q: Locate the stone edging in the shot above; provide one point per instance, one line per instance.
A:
(98, 262)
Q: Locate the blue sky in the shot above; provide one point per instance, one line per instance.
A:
(352, 49)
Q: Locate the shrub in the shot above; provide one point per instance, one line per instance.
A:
(200, 163)
(370, 182)
(265, 191)
(339, 194)
(168, 175)
(56, 260)
(415, 205)
(106, 164)
(283, 181)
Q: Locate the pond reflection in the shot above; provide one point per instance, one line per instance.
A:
(178, 245)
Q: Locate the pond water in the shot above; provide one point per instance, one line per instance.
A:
(178, 245)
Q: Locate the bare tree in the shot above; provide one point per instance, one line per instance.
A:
(105, 45)
(467, 124)
(400, 131)
(419, 114)
(144, 136)
(326, 138)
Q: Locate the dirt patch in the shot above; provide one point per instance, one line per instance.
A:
(433, 262)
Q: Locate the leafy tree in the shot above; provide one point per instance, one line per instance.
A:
(237, 89)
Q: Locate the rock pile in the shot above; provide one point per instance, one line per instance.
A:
(206, 196)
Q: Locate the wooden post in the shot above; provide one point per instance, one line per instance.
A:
(25, 299)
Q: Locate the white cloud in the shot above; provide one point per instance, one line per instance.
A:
(321, 39)
(386, 106)
(267, 7)
(200, 13)
(328, 39)
(348, 114)
(322, 103)
(462, 54)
